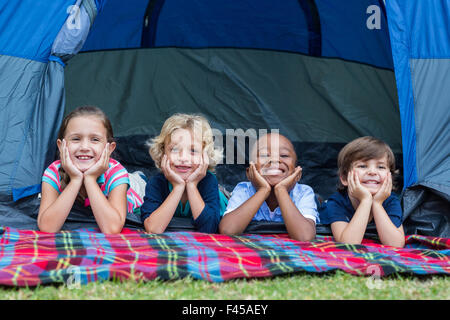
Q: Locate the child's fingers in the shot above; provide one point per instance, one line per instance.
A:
(105, 156)
(63, 152)
(299, 173)
(351, 181)
(66, 155)
(205, 158)
(388, 187)
(168, 168)
(250, 172)
(164, 166)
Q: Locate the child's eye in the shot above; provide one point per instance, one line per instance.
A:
(382, 167)
(174, 149)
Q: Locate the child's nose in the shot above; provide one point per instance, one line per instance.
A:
(274, 158)
(184, 155)
(371, 170)
(84, 144)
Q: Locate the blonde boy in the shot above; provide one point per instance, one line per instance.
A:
(184, 152)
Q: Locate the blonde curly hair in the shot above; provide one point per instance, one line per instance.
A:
(192, 122)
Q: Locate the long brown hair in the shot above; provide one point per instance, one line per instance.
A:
(83, 111)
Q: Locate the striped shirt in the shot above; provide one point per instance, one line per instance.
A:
(114, 176)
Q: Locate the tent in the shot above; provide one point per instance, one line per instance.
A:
(323, 72)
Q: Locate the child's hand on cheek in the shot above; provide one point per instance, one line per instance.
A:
(385, 190)
(199, 173)
(100, 166)
(289, 182)
(67, 164)
(257, 179)
(170, 175)
(355, 189)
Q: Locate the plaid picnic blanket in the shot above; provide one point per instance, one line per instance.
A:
(30, 258)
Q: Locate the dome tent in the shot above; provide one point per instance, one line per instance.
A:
(322, 72)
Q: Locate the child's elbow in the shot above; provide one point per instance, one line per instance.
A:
(399, 243)
(112, 229)
(226, 229)
(153, 228)
(304, 237)
(44, 227)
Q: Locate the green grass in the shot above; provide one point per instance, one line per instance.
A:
(336, 286)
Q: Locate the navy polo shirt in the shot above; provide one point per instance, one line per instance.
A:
(158, 189)
(340, 208)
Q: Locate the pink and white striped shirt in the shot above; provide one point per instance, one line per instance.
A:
(114, 176)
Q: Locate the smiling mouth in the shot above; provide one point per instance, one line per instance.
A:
(183, 168)
(84, 158)
(371, 182)
(271, 171)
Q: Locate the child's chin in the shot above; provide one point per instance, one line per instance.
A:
(273, 180)
(83, 169)
(373, 191)
(184, 175)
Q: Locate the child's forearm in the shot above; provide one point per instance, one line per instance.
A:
(297, 226)
(235, 222)
(195, 200)
(109, 218)
(158, 221)
(52, 218)
(388, 233)
(353, 233)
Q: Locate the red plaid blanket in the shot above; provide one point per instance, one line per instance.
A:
(29, 258)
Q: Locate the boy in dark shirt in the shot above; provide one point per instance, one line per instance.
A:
(365, 168)
(184, 152)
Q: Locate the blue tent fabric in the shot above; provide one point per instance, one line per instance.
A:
(419, 31)
(355, 31)
(322, 27)
(420, 37)
(32, 85)
(118, 26)
(28, 28)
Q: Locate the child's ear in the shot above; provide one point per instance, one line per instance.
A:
(343, 180)
(59, 144)
(112, 147)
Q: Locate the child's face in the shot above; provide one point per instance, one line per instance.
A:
(276, 158)
(184, 150)
(371, 173)
(86, 139)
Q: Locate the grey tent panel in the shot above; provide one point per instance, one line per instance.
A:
(308, 98)
(31, 100)
(430, 79)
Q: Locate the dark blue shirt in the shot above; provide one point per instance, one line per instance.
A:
(158, 189)
(340, 208)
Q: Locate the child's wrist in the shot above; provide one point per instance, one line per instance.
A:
(178, 186)
(378, 202)
(366, 200)
(76, 179)
(191, 184)
(280, 188)
(264, 190)
(90, 178)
